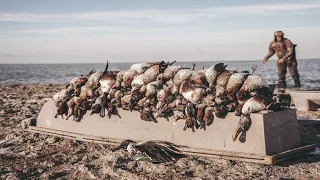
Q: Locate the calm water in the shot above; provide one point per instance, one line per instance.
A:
(309, 71)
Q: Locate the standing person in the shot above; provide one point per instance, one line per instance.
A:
(285, 51)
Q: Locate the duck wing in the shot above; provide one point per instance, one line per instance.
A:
(157, 152)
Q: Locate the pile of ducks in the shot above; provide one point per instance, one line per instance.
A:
(161, 89)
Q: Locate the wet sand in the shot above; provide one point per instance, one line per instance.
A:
(35, 156)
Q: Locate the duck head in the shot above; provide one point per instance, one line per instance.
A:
(62, 108)
(96, 108)
(220, 111)
(243, 126)
(124, 145)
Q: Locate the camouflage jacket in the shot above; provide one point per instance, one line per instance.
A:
(284, 49)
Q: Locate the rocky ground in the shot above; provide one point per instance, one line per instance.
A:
(27, 155)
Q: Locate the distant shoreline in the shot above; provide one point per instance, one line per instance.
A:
(125, 62)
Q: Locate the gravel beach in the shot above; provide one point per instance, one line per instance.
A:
(28, 155)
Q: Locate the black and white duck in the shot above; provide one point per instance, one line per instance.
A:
(152, 151)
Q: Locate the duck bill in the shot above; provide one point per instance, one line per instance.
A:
(236, 133)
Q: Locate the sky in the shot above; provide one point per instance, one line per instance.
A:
(85, 31)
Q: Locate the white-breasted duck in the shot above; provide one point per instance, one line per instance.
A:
(254, 104)
(182, 75)
(234, 84)
(191, 93)
(77, 82)
(151, 151)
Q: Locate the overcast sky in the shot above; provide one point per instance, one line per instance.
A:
(79, 31)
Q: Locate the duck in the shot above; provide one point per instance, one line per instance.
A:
(108, 79)
(153, 88)
(213, 72)
(119, 80)
(62, 108)
(107, 82)
(177, 115)
(70, 105)
(253, 83)
(190, 112)
(209, 100)
(96, 107)
(254, 104)
(220, 111)
(77, 82)
(59, 96)
(221, 84)
(171, 71)
(164, 96)
(199, 78)
(151, 151)
(126, 102)
(191, 93)
(146, 115)
(208, 115)
(200, 114)
(137, 81)
(182, 75)
(112, 110)
(234, 84)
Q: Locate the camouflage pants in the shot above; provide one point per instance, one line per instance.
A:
(292, 65)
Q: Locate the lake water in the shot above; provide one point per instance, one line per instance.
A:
(309, 71)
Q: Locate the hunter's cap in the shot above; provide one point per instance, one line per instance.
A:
(278, 33)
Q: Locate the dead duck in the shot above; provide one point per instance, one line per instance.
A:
(77, 82)
(151, 151)
(153, 88)
(70, 105)
(200, 114)
(190, 112)
(112, 110)
(254, 104)
(208, 115)
(221, 86)
(191, 93)
(62, 108)
(152, 73)
(96, 107)
(177, 115)
(119, 80)
(209, 100)
(107, 82)
(213, 72)
(146, 115)
(199, 78)
(234, 84)
(59, 96)
(171, 71)
(182, 75)
(220, 111)
(253, 83)
(137, 81)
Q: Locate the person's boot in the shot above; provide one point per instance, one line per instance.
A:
(282, 86)
(297, 83)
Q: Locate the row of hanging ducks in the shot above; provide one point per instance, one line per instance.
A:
(162, 89)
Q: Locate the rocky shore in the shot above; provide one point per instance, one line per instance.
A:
(25, 155)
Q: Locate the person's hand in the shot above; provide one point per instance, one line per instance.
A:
(264, 60)
(281, 61)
